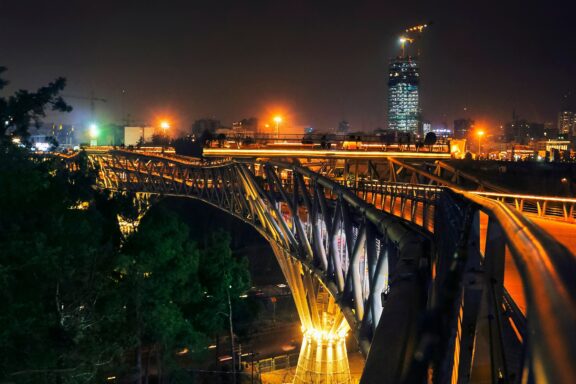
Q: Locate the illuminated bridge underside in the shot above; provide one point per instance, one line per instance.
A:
(424, 293)
(337, 252)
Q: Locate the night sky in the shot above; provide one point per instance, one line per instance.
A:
(314, 62)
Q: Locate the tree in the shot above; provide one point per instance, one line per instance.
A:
(23, 108)
(54, 272)
(430, 140)
(220, 274)
(221, 140)
(159, 279)
(74, 305)
(158, 139)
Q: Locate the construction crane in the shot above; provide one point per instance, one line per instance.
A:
(410, 35)
(93, 99)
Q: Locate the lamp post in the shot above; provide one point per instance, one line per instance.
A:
(93, 132)
(277, 120)
(480, 134)
(231, 336)
(165, 125)
(231, 326)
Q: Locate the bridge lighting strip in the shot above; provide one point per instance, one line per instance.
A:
(526, 197)
(321, 335)
(221, 152)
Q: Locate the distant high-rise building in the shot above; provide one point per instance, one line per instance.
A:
(462, 127)
(567, 122)
(522, 131)
(247, 126)
(518, 130)
(426, 127)
(403, 96)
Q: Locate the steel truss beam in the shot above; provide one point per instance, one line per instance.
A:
(333, 235)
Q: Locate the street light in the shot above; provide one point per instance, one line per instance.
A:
(93, 132)
(165, 125)
(277, 120)
(480, 134)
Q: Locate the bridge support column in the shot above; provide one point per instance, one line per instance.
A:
(323, 356)
(129, 220)
(322, 360)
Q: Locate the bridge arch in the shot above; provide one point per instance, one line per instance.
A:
(338, 253)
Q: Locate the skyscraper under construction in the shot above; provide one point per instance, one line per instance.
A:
(403, 85)
(403, 94)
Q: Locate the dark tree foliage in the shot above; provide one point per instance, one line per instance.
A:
(430, 139)
(188, 146)
(25, 108)
(159, 279)
(220, 274)
(55, 265)
(77, 303)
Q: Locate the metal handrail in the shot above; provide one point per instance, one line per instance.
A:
(547, 270)
(547, 207)
(183, 160)
(485, 184)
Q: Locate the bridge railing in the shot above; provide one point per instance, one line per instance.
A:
(414, 203)
(556, 208)
(485, 237)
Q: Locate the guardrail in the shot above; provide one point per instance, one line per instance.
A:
(414, 203)
(470, 295)
(555, 208)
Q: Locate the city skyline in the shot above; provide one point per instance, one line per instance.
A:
(317, 65)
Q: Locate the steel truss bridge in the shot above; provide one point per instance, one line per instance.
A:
(414, 270)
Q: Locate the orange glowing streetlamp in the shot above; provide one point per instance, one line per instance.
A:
(277, 120)
(165, 126)
(480, 134)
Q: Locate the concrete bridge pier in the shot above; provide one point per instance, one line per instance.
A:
(323, 356)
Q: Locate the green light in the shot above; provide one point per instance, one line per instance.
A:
(94, 131)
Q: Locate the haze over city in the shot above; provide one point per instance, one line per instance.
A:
(315, 62)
